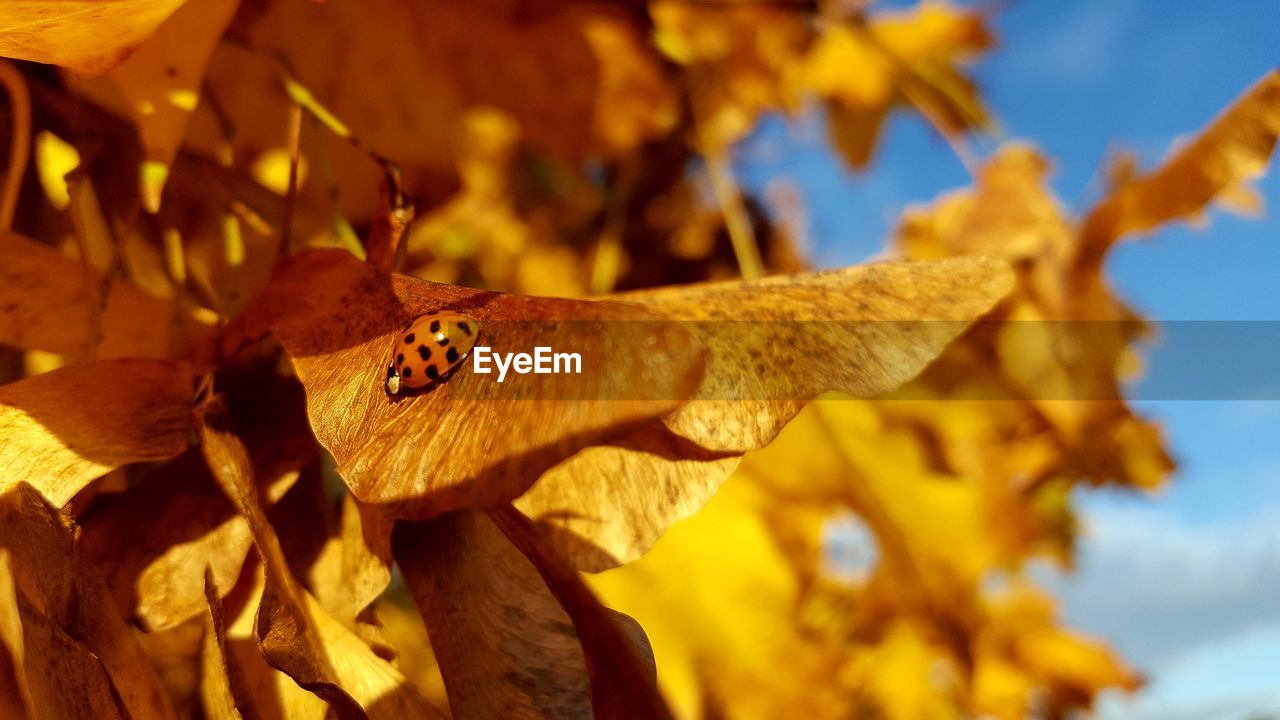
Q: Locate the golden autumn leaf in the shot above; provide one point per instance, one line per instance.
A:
(774, 344)
(85, 35)
(705, 580)
(606, 505)
(161, 83)
(868, 66)
(1233, 149)
(471, 442)
(155, 541)
(215, 681)
(50, 572)
(46, 672)
(504, 645)
(618, 656)
(65, 428)
(53, 303)
(293, 631)
(818, 494)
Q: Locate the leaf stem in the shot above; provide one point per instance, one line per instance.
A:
(20, 140)
(290, 196)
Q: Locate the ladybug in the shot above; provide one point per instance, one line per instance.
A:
(429, 349)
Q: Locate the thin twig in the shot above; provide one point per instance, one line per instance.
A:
(608, 257)
(290, 196)
(20, 140)
(736, 221)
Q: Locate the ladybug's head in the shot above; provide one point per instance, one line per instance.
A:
(393, 380)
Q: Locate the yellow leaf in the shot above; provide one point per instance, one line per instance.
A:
(1233, 148)
(88, 36)
(69, 426)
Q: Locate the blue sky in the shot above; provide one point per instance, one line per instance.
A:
(1186, 583)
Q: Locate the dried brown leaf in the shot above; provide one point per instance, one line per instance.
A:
(620, 661)
(774, 344)
(58, 584)
(216, 695)
(154, 541)
(294, 632)
(52, 674)
(64, 428)
(470, 442)
(504, 645)
(514, 631)
(161, 82)
(88, 36)
(1232, 149)
(51, 302)
(606, 505)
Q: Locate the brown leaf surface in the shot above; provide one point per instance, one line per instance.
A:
(50, 573)
(619, 658)
(154, 542)
(88, 36)
(64, 428)
(52, 302)
(294, 632)
(47, 673)
(354, 566)
(1233, 149)
(774, 344)
(606, 505)
(608, 85)
(505, 645)
(216, 695)
(455, 447)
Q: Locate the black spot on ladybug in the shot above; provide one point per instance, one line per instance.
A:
(452, 355)
(435, 326)
(432, 372)
(408, 372)
(424, 352)
(400, 359)
(465, 328)
(443, 341)
(408, 339)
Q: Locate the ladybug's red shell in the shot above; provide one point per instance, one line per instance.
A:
(430, 348)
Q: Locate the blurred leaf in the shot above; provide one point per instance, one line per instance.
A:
(54, 303)
(161, 82)
(715, 595)
(64, 428)
(1023, 647)
(1234, 148)
(88, 36)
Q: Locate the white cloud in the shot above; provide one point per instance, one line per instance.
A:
(1195, 605)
